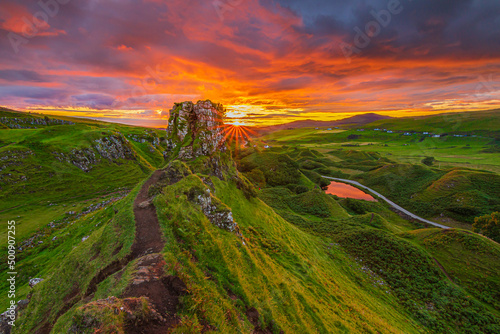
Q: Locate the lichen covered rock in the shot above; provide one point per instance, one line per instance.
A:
(112, 148)
(217, 212)
(195, 130)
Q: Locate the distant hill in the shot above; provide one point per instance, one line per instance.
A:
(309, 123)
(471, 121)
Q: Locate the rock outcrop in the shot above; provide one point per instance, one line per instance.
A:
(196, 137)
(31, 122)
(217, 212)
(196, 129)
(112, 148)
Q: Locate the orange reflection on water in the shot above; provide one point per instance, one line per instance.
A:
(347, 191)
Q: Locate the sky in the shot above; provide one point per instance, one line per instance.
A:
(267, 61)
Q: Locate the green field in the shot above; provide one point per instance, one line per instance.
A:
(477, 122)
(471, 152)
(305, 261)
(462, 183)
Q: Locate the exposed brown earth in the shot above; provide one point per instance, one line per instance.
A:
(443, 270)
(147, 234)
(149, 281)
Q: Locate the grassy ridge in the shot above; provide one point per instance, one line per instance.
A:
(51, 169)
(296, 281)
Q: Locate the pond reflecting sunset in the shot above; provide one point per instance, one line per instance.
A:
(348, 191)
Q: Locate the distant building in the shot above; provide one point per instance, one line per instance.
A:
(329, 129)
(389, 131)
(426, 133)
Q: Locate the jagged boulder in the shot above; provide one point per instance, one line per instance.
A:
(196, 130)
(114, 147)
(7, 319)
(34, 281)
(213, 208)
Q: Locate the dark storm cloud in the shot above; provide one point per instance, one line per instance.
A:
(97, 101)
(422, 28)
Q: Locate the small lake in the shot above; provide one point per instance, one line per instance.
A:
(347, 191)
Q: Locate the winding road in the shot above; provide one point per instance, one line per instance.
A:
(391, 203)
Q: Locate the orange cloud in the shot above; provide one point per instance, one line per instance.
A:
(268, 62)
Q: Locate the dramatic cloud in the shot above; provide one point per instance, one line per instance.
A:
(269, 60)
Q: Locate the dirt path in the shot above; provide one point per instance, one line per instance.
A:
(149, 279)
(443, 270)
(147, 228)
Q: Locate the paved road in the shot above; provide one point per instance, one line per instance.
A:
(391, 203)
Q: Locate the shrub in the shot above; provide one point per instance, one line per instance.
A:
(429, 161)
(301, 189)
(488, 225)
(324, 182)
(257, 177)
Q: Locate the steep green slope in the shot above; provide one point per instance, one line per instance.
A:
(52, 167)
(68, 264)
(468, 259)
(418, 283)
(291, 278)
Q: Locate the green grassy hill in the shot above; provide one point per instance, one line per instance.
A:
(370, 233)
(457, 193)
(52, 166)
(474, 121)
(295, 281)
(248, 244)
(468, 259)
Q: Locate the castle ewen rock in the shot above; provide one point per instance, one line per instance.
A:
(196, 129)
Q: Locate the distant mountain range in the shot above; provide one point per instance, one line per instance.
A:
(309, 123)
